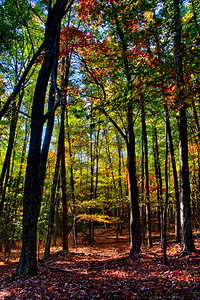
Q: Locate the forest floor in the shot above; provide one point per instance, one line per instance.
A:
(105, 271)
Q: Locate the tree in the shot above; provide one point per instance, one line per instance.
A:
(148, 208)
(186, 230)
(31, 200)
(112, 11)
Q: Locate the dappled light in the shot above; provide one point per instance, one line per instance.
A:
(99, 149)
(104, 271)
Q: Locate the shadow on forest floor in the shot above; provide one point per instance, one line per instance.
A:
(106, 271)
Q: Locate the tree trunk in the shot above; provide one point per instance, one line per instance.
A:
(186, 230)
(53, 201)
(31, 200)
(165, 260)
(72, 190)
(24, 148)
(50, 122)
(130, 142)
(56, 213)
(148, 208)
(177, 214)
(133, 191)
(91, 223)
(63, 181)
(120, 204)
(143, 211)
(6, 165)
(198, 142)
(159, 184)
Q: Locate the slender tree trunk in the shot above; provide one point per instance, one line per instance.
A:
(19, 179)
(63, 182)
(53, 200)
(111, 167)
(165, 260)
(133, 192)
(129, 138)
(31, 201)
(72, 189)
(186, 230)
(197, 185)
(120, 203)
(148, 207)
(159, 184)
(143, 211)
(6, 165)
(56, 212)
(176, 187)
(198, 140)
(50, 122)
(130, 142)
(91, 223)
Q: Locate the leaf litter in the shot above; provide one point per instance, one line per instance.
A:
(106, 272)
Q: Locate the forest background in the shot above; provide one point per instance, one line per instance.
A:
(99, 122)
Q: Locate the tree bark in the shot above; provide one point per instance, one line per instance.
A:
(53, 201)
(165, 260)
(72, 189)
(133, 192)
(176, 187)
(186, 230)
(50, 121)
(31, 200)
(148, 207)
(63, 181)
(6, 165)
(130, 142)
(159, 184)
(91, 222)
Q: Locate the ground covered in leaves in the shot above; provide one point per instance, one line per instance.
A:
(106, 271)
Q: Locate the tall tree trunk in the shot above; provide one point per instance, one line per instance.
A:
(158, 183)
(198, 141)
(143, 211)
(129, 138)
(197, 185)
(72, 190)
(56, 212)
(50, 121)
(165, 260)
(53, 199)
(91, 223)
(111, 167)
(24, 148)
(176, 187)
(63, 181)
(148, 208)
(133, 191)
(31, 201)
(130, 142)
(6, 165)
(186, 230)
(120, 207)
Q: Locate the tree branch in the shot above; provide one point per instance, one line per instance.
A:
(21, 81)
